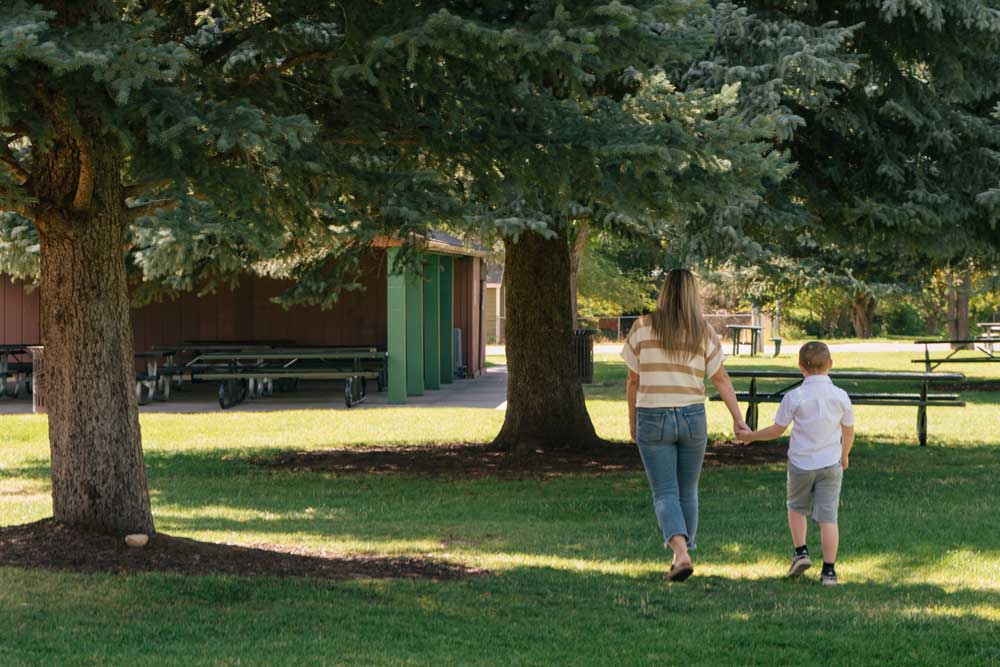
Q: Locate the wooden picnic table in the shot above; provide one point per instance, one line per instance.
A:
(736, 333)
(922, 400)
(977, 344)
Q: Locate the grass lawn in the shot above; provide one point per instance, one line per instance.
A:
(576, 562)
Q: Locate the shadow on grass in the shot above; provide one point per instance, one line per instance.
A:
(900, 502)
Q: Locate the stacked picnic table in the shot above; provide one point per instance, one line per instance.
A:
(15, 369)
(252, 370)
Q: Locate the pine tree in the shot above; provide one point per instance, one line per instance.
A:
(896, 156)
(201, 140)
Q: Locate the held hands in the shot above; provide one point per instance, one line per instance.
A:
(742, 431)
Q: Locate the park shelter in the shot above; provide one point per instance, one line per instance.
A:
(495, 308)
(431, 324)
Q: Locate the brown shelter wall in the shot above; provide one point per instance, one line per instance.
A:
(19, 313)
(247, 313)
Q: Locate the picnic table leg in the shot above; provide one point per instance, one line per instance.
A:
(922, 416)
(751, 418)
(736, 347)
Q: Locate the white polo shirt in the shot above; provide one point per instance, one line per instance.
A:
(818, 408)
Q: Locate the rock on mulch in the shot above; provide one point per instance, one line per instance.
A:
(48, 544)
(479, 461)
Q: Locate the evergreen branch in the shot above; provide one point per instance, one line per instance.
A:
(8, 160)
(142, 210)
(16, 205)
(232, 41)
(290, 63)
(398, 141)
(141, 187)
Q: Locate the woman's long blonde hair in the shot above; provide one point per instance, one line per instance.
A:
(678, 322)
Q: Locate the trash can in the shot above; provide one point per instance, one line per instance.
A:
(583, 346)
(37, 381)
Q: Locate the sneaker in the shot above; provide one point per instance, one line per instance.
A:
(800, 563)
(828, 579)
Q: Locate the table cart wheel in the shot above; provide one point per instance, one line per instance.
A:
(227, 394)
(163, 388)
(349, 392)
(143, 393)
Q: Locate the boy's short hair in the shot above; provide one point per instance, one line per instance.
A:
(815, 357)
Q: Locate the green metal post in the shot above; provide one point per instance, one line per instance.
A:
(396, 305)
(414, 334)
(432, 323)
(447, 319)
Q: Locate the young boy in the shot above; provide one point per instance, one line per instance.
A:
(818, 453)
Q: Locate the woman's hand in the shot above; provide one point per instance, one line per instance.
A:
(632, 430)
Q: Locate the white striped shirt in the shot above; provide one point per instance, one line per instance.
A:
(669, 379)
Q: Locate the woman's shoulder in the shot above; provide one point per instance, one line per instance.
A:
(641, 324)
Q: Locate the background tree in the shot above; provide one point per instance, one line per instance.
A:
(896, 159)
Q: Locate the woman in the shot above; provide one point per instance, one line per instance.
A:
(668, 353)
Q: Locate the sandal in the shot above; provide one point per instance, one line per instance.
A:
(679, 573)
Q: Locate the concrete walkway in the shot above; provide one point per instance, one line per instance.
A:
(488, 391)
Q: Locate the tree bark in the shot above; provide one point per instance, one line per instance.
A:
(958, 307)
(545, 403)
(579, 244)
(98, 477)
(862, 312)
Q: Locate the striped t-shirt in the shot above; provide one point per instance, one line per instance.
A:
(669, 380)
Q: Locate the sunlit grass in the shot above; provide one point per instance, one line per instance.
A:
(576, 561)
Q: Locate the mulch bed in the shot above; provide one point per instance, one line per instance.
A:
(479, 461)
(48, 544)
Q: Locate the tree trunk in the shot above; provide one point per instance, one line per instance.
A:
(545, 405)
(862, 312)
(958, 307)
(579, 244)
(98, 477)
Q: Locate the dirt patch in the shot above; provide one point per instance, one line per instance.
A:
(50, 545)
(478, 461)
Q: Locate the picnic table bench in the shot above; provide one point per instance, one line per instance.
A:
(983, 345)
(921, 399)
(252, 373)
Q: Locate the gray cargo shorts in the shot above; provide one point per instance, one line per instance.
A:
(822, 485)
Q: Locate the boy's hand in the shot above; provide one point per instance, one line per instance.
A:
(845, 461)
(743, 433)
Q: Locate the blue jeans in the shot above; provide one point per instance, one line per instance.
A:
(672, 444)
